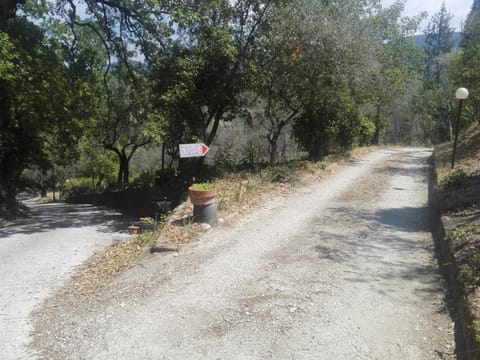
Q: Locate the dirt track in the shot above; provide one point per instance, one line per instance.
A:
(342, 269)
(37, 255)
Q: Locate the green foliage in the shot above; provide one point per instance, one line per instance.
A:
(466, 69)
(251, 185)
(366, 131)
(203, 186)
(455, 178)
(278, 173)
(305, 65)
(251, 159)
(96, 163)
(41, 105)
(78, 186)
(7, 57)
(225, 160)
(438, 42)
(146, 220)
(317, 165)
(145, 180)
(327, 123)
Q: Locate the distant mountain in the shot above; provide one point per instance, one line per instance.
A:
(420, 39)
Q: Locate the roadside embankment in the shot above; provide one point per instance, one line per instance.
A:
(455, 200)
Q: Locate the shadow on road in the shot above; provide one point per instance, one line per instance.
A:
(376, 248)
(47, 217)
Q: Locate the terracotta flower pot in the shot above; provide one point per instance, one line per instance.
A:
(202, 197)
(133, 230)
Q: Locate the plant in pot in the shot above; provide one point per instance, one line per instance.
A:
(203, 197)
(133, 230)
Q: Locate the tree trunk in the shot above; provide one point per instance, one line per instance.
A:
(163, 156)
(376, 136)
(123, 171)
(273, 152)
(9, 184)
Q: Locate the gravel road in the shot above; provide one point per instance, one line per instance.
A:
(341, 269)
(36, 257)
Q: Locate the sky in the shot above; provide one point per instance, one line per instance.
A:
(458, 8)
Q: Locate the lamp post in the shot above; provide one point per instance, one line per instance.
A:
(461, 94)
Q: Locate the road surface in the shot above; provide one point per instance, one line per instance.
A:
(341, 269)
(36, 257)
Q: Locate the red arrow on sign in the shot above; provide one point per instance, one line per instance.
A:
(204, 149)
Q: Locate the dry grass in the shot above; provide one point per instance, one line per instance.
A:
(104, 265)
(467, 157)
(241, 193)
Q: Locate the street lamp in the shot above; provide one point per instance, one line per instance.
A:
(461, 94)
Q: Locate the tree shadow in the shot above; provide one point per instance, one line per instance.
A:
(376, 248)
(51, 216)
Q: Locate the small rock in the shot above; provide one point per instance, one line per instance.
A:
(206, 227)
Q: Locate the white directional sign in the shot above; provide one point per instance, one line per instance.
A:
(193, 150)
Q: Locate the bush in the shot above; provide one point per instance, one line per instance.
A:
(455, 178)
(279, 173)
(146, 180)
(76, 187)
(225, 160)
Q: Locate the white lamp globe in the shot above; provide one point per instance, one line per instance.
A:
(461, 93)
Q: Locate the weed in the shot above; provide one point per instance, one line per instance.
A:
(476, 328)
(222, 203)
(203, 186)
(459, 236)
(266, 175)
(468, 277)
(455, 178)
(146, 220)
(237, 196)
(251, 185)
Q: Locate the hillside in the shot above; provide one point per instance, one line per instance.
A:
(457, 201)
(420, 39)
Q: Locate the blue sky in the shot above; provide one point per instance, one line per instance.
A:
(458, 8)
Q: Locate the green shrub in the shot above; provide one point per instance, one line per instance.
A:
(279, 173)
(455, 178)
(251, 185)
(145, 180)
(225, 160)
(77, 186)
(251, 158)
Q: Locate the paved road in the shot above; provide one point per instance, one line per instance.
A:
(36, 257)
(342, 269)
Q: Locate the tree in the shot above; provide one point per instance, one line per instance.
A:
(438, 42)
(96, 163)
(398, 63)
(29, 87)
(127, 122)
(200, 75)
(8, 10)
(276, 74)
(44, 98)
(466, 68)
(336, 42)
(434, 102)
